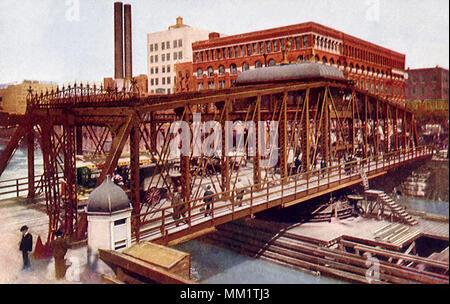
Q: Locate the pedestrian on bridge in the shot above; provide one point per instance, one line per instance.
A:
(26, 245)
(208, 200)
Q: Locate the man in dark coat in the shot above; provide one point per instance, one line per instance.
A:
(26, 245)
(208, 200)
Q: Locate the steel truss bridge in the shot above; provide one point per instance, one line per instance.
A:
(338, 133)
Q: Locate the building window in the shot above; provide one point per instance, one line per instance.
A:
(207, 55)
(168, 91)
(168, 68)
(423, 90)
(219, 56)
(242, 51)
(151, 59)
(152, 82)
(168, 80)
(180, 55)
(210, 84)
(245, 66)
(258, 64)
(261, 48)
(255, 48)
(175, 44)
(168, 56)
(305, 41)
(224, 53)
(221, 70)
(433, 78)
(249, 50)
(272, 62)
(180, 43)
(222, 84)
(233, 69)
(156, 70)
(269, 47)
(163, 80)
(230, 52)
(236, 51)
(163, 69)
(151, 47)
(167, 44)
(291, 42)
(156, 47)
(163, 45)
(156, 81)
(151, 71)
(175, 56)
(156, 58)
(200, 86)
(275, 46)
(212, 54)
(210, 71)
(199, 73)
(297, 43)
(163, 57)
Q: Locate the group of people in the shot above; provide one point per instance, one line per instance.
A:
(60, 246)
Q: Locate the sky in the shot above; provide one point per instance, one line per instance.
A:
(68, 40)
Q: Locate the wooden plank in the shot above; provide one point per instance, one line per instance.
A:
(132, 265)
(396, 255)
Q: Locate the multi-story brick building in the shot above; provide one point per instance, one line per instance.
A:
(167, 48)
(218, 60)
(427, 83)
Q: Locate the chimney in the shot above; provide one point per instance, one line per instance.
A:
(214, 35)
(118, 40)
(128, 43)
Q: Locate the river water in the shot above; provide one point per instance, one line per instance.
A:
(211, 264)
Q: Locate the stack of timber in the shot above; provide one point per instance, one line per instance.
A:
(147, 262)
(259, 240)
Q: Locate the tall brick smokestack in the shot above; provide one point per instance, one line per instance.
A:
(128, 43)
(118, 40)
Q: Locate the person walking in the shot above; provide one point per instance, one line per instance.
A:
(208, 200)
(60, 247)
(239, 192)
(26, 245)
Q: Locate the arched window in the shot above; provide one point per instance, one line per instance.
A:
(331, 61)
(324, 59)
(317, 59)
(339, 63)
(351, 66)
(199, 73)
(272, 62)
(258, 64)
(233, 69)
(210, 71)
(357, 66)
(245, 66)
(300, 58)
(221, 70)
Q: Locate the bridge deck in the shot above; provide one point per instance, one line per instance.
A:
(160, 226)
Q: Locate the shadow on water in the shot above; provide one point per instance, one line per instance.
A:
(211, 264)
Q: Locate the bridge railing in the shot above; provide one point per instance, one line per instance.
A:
(15, 187)
(282, 190)
(80, 95)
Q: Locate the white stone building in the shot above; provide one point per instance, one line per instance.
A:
(167, 48)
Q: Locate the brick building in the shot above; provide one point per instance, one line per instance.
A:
(218, 60)
(427, 83)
